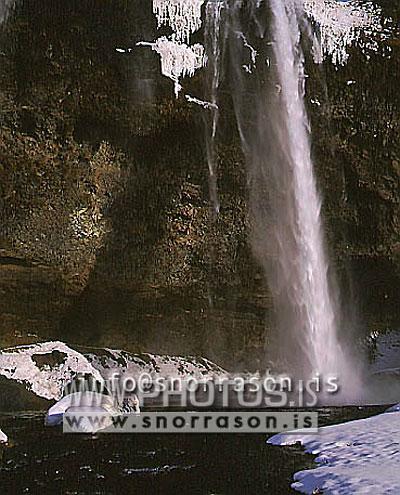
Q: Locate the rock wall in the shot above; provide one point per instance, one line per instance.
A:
(106, 230)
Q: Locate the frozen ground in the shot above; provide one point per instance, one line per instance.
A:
(360, 457)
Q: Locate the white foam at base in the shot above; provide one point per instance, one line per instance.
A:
(361, 456)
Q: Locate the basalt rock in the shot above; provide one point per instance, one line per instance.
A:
(104, 194)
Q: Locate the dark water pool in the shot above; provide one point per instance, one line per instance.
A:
(45, 461)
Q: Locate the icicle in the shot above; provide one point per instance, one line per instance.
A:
(253, 54)
(205, 104)
(178, 57)
(183, 16)
(341, 24)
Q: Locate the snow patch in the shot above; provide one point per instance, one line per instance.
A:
(360, 456)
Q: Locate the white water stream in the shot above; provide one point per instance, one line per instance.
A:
(285, 205)
(302, 267)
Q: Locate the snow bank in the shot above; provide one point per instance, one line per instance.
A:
(360, 456)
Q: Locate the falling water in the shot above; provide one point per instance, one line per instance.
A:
(268, 88)
(300, 236)
(287, 236)
(213, 43)
(5, 7)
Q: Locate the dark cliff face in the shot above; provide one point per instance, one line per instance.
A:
(105, 217)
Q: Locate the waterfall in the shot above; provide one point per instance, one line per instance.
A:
(299, 234)
(285, 206)
(5, 7)
(267, 84)
(213, 44)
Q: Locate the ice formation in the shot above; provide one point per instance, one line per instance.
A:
(340, 24)
(3, 437)
(253, 54)
(360, 456)
(205, 104)
(178, 59)
(183, 16)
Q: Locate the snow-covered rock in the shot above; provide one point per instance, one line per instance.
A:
(44, 370)
(108, 361)
(361, 456)
(84, 395)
